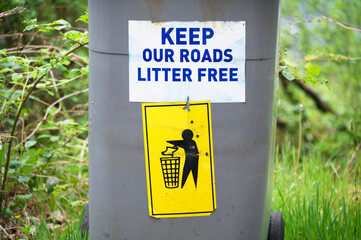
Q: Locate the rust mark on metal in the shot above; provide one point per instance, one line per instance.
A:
(155, 8)
(211, 9)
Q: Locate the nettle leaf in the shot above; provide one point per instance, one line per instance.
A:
(23, 179)
(41, 85)
(288, 74)
(54, 26)
(84, 70)
(11, 59)
(49, 153)
(53, 62)
(50, 93)
(63, 23)
(16, 77)
(312, 70)
(8, 212)
(72, 73)
(14, 164)
(83, 18)
(44, 71)
(54, 138)
(6, 70)
(33, 24)
(77, 36)
(66, 122)
(24, 198)
(312, 80)
(61, 68)
(3, 52)
(30, 143)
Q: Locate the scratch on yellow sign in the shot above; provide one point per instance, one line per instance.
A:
(179, 159)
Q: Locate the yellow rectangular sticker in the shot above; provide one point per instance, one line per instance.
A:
(179, 159)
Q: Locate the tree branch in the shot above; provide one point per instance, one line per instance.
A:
(47, 113)
(344, 25)
(13, 11)
(321, 104)
(6, 167)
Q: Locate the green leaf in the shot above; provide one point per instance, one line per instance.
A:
(312, 70)
(43, 160)
(61, 68)
(62, 23)
(84, 70)
(23, 179)
(77, 36)
(8, 212)
(288, 74)
(11, 59)
(54, 138)
(32, 24)
(83, 18)
(24, 198)
(56, 25)
(48, 153)
(312, 80)
(6, 70)
(66, 122)
(26, 231)
(44, 71)
(16, 77)
(14, 164)
(3, 52)
(30, 143)
(50, 92)
(53, 62)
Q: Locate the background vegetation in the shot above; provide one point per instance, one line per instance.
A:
(43, 119)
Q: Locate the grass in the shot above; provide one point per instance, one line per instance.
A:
(321, 200)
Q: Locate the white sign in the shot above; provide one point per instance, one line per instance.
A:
(170, 61)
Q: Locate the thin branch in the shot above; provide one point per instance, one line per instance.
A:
(299, 137)
(47, 113)
(7, 234)
(321, 104)
(75, 47)
(12, 35)
(30, 49)
(344, 25)
(6, 167)
(13, 11)
(69, 139)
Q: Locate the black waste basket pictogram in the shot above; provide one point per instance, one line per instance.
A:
(170, 167)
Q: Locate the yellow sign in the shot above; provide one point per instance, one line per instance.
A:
(179, 159)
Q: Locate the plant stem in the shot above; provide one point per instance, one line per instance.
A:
(299, 137)
(2, 191)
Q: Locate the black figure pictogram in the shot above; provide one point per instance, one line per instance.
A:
(192, 155)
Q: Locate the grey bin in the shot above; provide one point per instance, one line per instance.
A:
(243, 133)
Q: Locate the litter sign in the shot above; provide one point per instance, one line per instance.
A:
(179, 159)
(170, 61)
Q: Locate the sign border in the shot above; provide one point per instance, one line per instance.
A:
(146, 145)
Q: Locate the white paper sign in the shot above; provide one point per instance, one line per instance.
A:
(170, 61)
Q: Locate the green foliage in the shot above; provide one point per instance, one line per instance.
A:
(321, 200)
(319, 48)
(43, 130)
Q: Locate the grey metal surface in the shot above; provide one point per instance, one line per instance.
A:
(242, 132)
